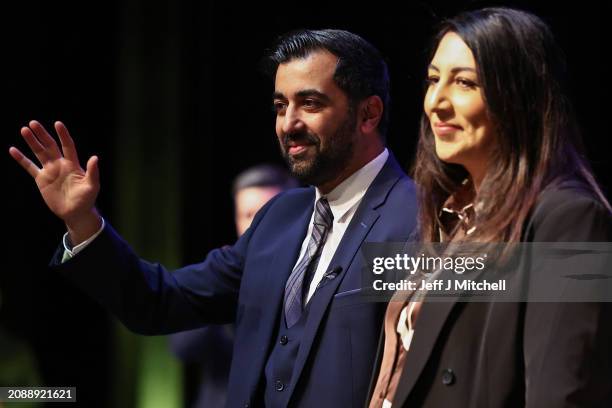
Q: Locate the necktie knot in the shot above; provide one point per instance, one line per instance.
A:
(323, 213)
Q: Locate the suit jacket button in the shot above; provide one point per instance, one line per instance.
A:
(279, 385)
(448, 377)
(284, 340)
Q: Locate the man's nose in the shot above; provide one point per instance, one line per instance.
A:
(292, 121)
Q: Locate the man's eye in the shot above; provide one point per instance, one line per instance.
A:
(278, 107)
(311, 103)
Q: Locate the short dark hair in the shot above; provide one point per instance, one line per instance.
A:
(361, 71)
(263, 175)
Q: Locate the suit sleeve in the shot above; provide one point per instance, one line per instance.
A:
(149, 299)
(567, 346)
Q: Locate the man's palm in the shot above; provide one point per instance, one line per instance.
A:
(66, 188)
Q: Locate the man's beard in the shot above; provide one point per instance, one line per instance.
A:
(326, 163)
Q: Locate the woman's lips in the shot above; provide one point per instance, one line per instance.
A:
(442, 128)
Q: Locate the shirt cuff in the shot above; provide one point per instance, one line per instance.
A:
(70, 251)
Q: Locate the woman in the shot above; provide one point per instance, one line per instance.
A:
(499, 160)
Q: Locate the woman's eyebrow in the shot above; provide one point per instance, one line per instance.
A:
(454, 70)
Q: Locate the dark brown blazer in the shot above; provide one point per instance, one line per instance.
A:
(495, 354)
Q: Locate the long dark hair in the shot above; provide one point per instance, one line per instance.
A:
(520, 68)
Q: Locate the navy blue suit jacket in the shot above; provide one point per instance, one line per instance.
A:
(244, 283)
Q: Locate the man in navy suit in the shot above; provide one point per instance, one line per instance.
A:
(292, 283)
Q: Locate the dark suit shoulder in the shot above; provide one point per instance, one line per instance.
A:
(406, 185)
(569, 212)
(296, 195)
(291, 203)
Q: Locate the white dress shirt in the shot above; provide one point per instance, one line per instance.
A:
(343, 201)
(70, 251)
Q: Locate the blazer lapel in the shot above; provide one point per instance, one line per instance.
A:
(431, 320)
(376, 368)
(361, 224)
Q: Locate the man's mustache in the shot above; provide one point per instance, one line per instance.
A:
(301, 137)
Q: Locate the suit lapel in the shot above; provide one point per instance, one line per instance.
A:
(361, 224)
(430, 322)
(376, 368)
(353, 237)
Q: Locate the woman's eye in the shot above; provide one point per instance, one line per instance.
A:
(430, 80)
(466, 83)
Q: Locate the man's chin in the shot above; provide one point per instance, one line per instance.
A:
(300, 162)
(301, 168)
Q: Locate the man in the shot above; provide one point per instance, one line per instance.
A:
(304, 334)
(210, 347)
(254, 187)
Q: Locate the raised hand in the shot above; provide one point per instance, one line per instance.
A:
(69, 191)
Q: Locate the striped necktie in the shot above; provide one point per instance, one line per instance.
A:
(297, 285)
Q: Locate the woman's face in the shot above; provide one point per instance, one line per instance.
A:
(456, 108)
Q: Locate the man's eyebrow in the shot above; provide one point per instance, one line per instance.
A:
(312, 92)
(453, 70)
(278, 95)
(305, 93)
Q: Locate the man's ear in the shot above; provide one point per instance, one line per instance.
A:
(370, 114)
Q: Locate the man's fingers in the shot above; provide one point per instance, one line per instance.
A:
(68, 147)
(24, 162)
(37, 148)
(45, 139)
(93, 171)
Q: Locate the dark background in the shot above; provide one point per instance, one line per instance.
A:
(169, 96)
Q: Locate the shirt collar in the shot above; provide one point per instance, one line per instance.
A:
(458, 210)
(348, 193)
